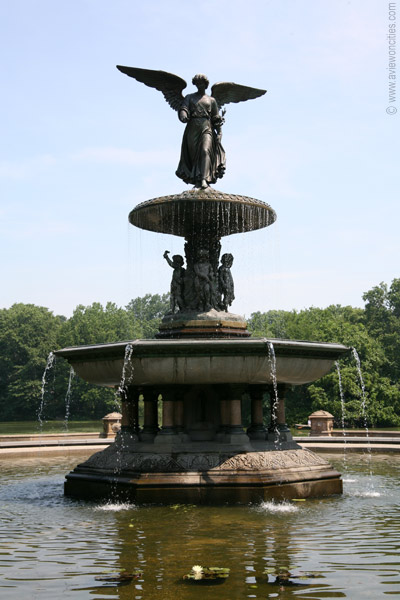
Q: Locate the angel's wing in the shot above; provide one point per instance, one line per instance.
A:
(225, 92)
(170, 85)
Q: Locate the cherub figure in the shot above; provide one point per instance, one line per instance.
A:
(203, 281)
(178, 277)
(202, 158)
(225, 281)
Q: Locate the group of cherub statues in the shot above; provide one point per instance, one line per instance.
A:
(201, 288)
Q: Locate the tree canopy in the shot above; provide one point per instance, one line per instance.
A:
(28, 333)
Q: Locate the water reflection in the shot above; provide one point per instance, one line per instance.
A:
(343, 547)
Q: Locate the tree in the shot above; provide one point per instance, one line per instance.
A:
(27, 335)
(148, 312)
(96, 324)
(349, 326)
(382, 318)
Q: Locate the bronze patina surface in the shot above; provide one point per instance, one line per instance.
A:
(193, 211)
(202, 158)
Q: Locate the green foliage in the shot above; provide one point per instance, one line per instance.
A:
(28, 333)
(96, 324)
(148, 312)
(374, 332)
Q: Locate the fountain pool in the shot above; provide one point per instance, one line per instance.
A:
(345, 546)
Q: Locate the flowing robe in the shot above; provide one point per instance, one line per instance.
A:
(202, 155)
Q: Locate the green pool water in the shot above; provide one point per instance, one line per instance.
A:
(341, 547)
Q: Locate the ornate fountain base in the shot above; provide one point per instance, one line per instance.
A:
(201, 453)
(203, 475)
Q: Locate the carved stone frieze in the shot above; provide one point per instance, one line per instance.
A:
(253, 461)
(115, 459)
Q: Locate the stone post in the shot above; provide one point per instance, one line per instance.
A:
(111, 424)
(257, 430)
(321, 423)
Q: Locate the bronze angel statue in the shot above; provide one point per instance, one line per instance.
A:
(202, 158)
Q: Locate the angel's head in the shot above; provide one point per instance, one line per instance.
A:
(227, 260)
(200, 80)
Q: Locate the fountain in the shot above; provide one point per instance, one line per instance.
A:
(204, 359)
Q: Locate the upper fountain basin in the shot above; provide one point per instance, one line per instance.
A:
(207, 211)
(198, 361)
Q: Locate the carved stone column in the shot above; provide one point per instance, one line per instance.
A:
(179, 412)
(168, 422)
(235, 415)
(281, 416)
(130, 410)
(278, 426)
(232, 397)
(257, 430)
(150, 424)
(224, 416)
(172, 411)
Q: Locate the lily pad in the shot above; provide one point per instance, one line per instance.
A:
(122, 578)
(207, 575)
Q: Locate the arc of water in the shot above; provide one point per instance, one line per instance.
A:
(120, 446)
(342, 402)
(68, 397)
(126, 377)
(363, 397)
(50, 362)
(274, 411)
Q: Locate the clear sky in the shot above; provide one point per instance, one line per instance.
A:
(82, 144)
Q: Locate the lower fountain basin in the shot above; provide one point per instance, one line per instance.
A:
(202, 453)
(165, 362)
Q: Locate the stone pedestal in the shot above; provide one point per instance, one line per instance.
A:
(111, 424)
(321, 423)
